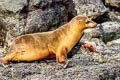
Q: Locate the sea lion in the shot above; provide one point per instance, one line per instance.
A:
(48, 45)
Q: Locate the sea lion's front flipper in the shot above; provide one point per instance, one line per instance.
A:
(61, 55)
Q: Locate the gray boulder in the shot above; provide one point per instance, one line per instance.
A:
(12, 5)
(113, 3)
(2, 32)
(90, 7)
(113, 17)
(110, 31)
(39, 20)
(77, 68)
(32, 16)
(39, 4)
(43, 4)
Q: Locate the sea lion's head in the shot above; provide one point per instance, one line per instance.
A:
(89, 23)
(84, 22)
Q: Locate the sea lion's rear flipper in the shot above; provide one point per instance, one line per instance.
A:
(9, 57)
(4, 61)
(1, 63)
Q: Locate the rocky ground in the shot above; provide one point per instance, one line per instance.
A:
(80, 67)
(18, 17)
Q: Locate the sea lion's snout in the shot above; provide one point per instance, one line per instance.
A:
(90, 23)
(86, 22)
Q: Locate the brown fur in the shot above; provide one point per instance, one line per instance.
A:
(48, 45)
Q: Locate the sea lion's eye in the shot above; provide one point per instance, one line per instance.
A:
(87, 22)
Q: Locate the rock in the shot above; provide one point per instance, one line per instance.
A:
(90, 7)
(113, 3)
(107, 31)
(113, 17)
(102, 53)
(41, 4)
(108, 52)
(77, 69)
(114, 13)
(23, 19)
(113, 42)
(70, 5)
(91, 33)
(39, 21)
(12, 5)
(110, 31)
(2, 32)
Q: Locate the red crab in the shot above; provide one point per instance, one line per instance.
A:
(89, 46)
